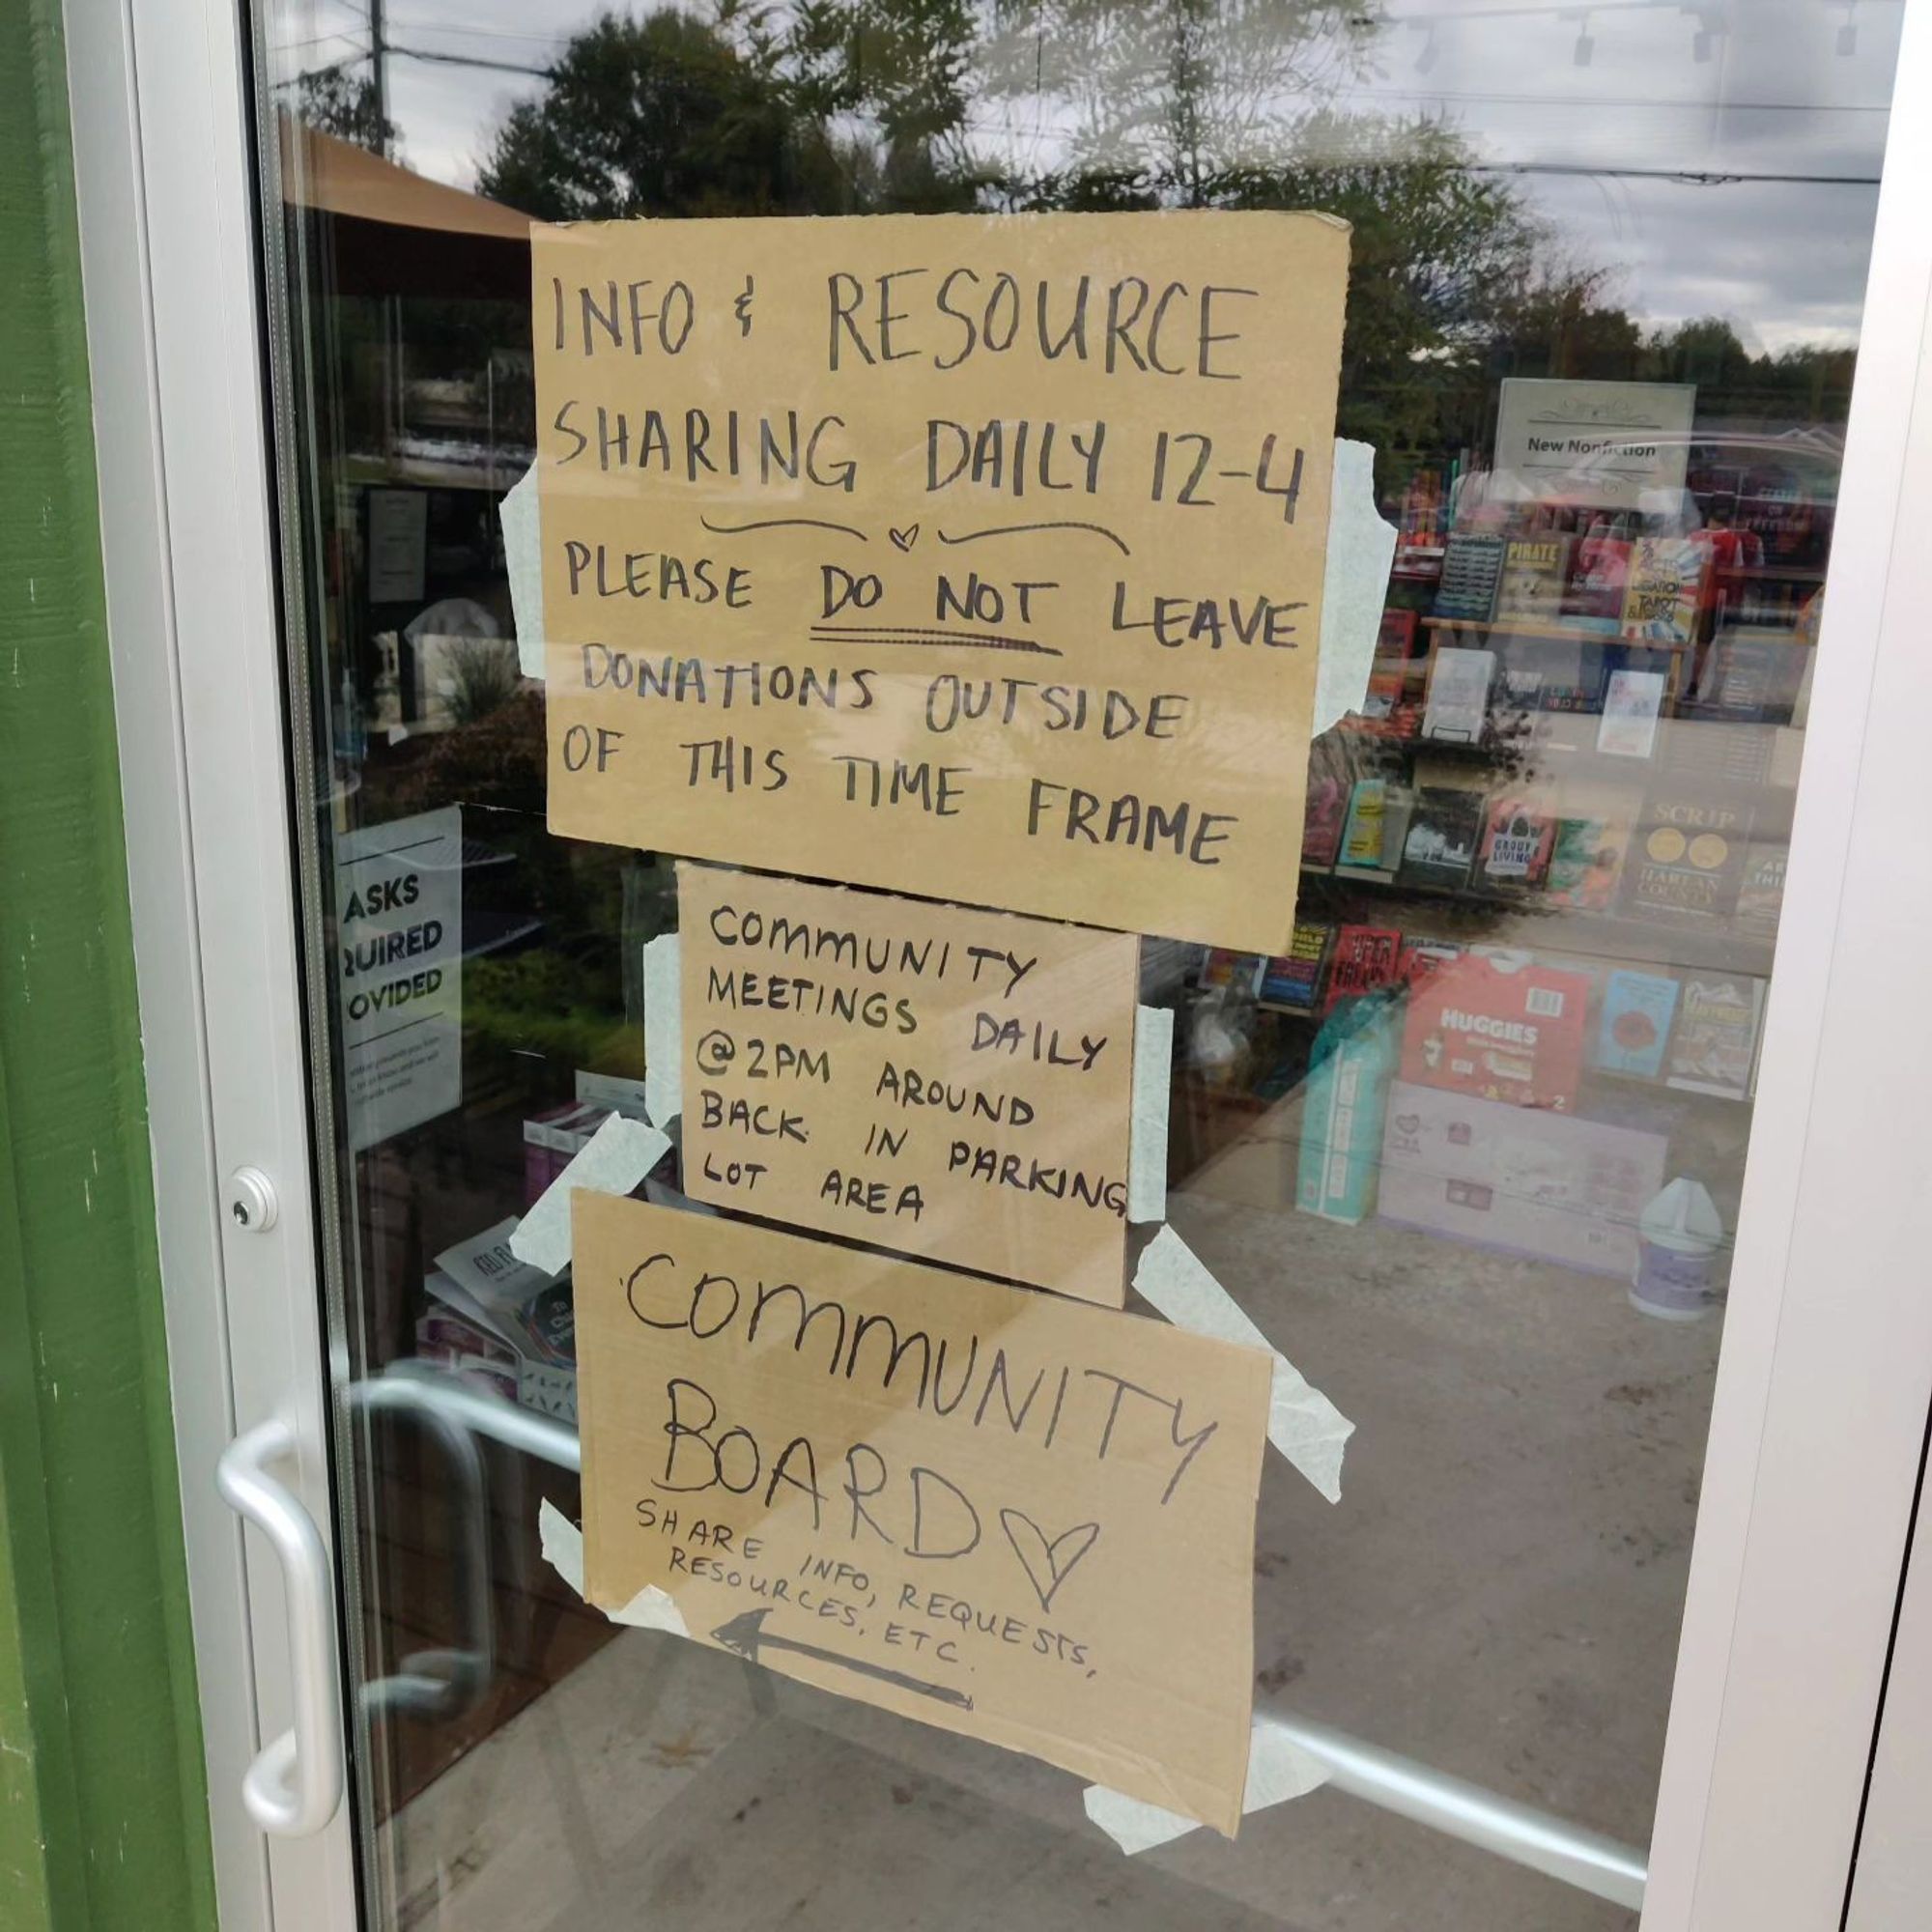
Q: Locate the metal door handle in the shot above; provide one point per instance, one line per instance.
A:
(294, 1785)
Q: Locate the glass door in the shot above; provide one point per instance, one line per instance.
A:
(1455, 1117)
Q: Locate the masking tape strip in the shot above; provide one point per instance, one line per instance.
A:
(664, 1031)
(612, 1162)
(523, 561)
(1147, 1135)
(651, 1609)
(1355, 585)
(1303, 1424)
(1278, 1770)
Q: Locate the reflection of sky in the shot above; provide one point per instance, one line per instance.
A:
(1619, 113)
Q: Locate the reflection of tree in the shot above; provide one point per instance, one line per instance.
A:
(877, 105)
(1174, 97)
(657, 116)
(345, 106)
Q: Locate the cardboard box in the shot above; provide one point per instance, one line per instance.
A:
(1518, 1180)
(1501, 1026)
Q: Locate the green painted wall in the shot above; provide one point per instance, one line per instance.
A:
(102, 1807)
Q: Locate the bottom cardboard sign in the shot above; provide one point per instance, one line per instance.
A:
(1000, 1511)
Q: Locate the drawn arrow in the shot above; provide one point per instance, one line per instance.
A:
(746, 1635)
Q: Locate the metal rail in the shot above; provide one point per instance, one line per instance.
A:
(1452, 1805)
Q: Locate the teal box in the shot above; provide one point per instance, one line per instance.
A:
(1354, 1059)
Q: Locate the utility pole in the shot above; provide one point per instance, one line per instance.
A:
(380, 78)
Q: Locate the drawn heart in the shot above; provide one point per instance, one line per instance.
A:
(1407, 1122)
(1046, 1566)
(904, 539)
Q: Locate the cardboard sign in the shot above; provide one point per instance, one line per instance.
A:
(399, 972)
(950, 1083)
(995, 1511)
(975, 558)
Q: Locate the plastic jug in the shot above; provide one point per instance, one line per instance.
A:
(1678, 1232)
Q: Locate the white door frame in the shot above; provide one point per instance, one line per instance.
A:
(1826, 1374)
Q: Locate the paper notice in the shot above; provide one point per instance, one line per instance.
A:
(950, 1083)
(975, 558)
(998, 1512)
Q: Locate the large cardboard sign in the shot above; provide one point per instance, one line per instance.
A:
(950, 1083)
(995, 1511)
(399, 972)
(980, 558)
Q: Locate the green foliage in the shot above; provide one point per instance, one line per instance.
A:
(657, 116)
(344, 105)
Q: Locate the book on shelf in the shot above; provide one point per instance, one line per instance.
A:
(1397, 636)
(1225, 968)
(1713, 1048)
(1761, 891)
(1471, 567)
(1633, 1027)
(1294, 979)
(1665, 590)
(1387, 711)
(1686, 860)
(1631, 701)
(1445, 825)
(1373, 834)
(1364, 959)
(1458, 706)
(1500, 1025)
(1754, 676)
(1535, 570)
(1518, 837)
(1585, 861)
(1325, 809)
(1423, 958)
(1593, 597)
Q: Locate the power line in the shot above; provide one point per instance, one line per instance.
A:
(469, 60)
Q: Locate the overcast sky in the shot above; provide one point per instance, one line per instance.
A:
(1612, 107)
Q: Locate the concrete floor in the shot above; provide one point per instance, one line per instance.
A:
(1497, 1595)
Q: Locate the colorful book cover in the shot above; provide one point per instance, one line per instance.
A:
(1386, 710)
(1633, 1027)
(1535, 570)
(1761, 891)
(1517, 838)
(1500, 1026)
(1294, 979)
(1444, 828)
(1423, 958)
(1584, 862)
(1686, 860)
(1471, 567)
(1365, 957)
(1665, 590)
(1593, 599)
(1327, 807)
(1715, 1047)
(1224, 968)
(1458, 694)
(1397, 636)
(1377, 818)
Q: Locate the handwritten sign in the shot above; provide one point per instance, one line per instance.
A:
(979, 556)
(950, 1083)
(995, 1511)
